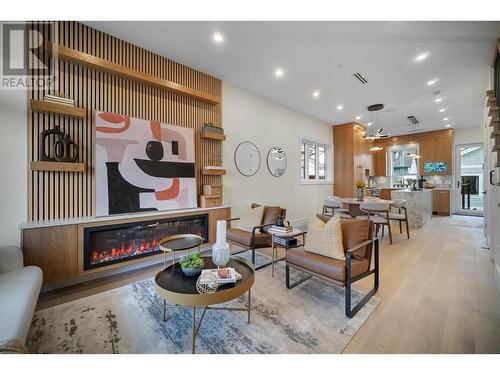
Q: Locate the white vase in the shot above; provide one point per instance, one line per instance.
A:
(220, 254)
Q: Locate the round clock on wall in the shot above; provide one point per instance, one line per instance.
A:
(247, 158)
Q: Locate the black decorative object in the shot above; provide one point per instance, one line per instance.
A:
(64, 149)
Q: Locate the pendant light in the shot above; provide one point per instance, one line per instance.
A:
(373, 131)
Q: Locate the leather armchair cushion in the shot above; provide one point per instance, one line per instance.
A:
(270, 215)
(244, 238)
(328, 267)
(250, 218)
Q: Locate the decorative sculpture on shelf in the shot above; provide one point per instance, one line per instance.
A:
(64, 149)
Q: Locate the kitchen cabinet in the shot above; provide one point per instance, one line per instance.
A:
(441, 202)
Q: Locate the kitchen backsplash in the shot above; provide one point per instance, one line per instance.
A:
(444, 181)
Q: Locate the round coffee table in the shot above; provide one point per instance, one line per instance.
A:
(180, 290)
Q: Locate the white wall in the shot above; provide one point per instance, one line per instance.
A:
(13, 154)
(247, 117)
(467, 135)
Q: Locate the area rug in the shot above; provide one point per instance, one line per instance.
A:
(471, 223)
(307, 319)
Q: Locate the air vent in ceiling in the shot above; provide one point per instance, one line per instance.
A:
(413, 120)
(361, 79)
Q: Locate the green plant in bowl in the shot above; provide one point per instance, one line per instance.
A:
(192, 264)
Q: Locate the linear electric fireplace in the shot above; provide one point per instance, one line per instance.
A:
(117, 243)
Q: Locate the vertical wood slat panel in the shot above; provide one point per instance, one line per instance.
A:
(58, 195)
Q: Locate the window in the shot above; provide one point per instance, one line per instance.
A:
(402, 166)
(315, 161)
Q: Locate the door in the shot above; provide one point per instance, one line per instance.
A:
(469, 179)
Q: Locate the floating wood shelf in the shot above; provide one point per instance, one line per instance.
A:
(213, 135)
(57, 108)
(105, 66)
(215, 172)
(493, 112)
(490, 94)
(491, 102)
(210, 201)
(57, 166)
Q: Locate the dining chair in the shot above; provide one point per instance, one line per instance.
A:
(378, 213)
(333, 202)
(400, 205)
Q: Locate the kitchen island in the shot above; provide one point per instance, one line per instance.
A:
(418, 204)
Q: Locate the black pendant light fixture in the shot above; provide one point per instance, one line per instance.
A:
(373, 131)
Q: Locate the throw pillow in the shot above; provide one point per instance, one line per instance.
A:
(325, 238)
(250, 218)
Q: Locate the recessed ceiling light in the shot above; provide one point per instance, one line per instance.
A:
(445, 119)
(442, 110)
(448, 125)
(217, 37)
(438, 100)
(422, 56)
(339, 107)
(431, 82)
(369, 124)
(278, 72)
(316, 93)
(358, 117)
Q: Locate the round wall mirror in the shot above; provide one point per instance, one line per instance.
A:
(276, 161)
(247, 158)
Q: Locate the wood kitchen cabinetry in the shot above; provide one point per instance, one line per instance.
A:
(441, 202)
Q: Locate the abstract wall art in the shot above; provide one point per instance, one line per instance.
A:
(142, 165)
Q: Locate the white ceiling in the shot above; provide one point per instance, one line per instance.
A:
(324, 55)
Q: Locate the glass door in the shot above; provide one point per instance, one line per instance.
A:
(469, 173)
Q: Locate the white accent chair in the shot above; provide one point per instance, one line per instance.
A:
(334, 204)
(378, 213)
(19, 290)
(400, 205)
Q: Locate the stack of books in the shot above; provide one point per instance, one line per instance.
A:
(209, 127)
(58, 99)
(292, 242)
(224, 275)
(285, 229)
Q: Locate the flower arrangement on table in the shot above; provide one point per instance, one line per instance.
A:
(192, 264)
(360, 188)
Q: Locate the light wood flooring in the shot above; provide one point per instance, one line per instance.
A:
(438, 293)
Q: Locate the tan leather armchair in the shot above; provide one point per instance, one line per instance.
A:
(254, 240)
(358, 244)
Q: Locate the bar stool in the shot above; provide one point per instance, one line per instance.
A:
(333, 202)
(400, 204)
(378, 213)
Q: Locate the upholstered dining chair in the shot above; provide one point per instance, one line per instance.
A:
(333, 205)
(259, 236)
(378, 213)
(400, 216)
(359, 246)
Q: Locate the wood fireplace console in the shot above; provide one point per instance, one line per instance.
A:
(57, 246)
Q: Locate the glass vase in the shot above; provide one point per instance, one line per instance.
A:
(359, 195)
(220, 254)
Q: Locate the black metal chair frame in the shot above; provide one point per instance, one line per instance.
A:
(348, 278)
(252, 246)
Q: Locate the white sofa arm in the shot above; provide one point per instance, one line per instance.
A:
(11, 258)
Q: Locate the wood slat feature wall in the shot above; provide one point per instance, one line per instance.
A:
(57, 195)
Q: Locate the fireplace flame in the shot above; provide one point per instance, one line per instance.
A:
(124, 251)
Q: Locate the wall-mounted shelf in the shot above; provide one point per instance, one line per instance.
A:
(213, 172)
(96, 63)
(490, 94)
(56, 108)
(57, 166)
(493, 112)
(213, 135)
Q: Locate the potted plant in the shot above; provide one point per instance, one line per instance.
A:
(192, 264)
(360, 189)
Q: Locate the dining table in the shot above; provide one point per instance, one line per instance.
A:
(353, 204)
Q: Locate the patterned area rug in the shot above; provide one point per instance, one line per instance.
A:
(307, 319)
